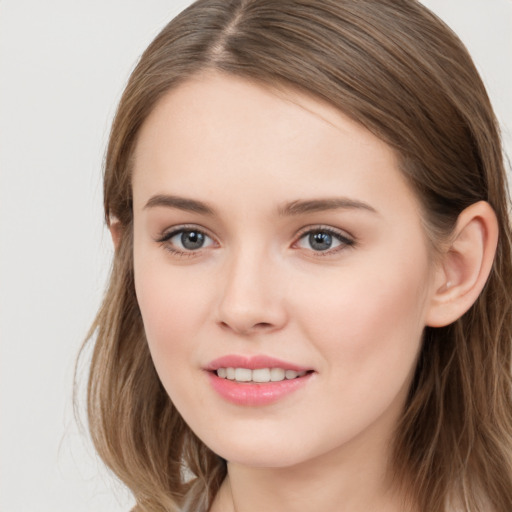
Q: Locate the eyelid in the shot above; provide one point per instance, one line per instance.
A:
(169, 232)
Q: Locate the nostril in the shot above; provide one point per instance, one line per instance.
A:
(260, 326)
(263, 325)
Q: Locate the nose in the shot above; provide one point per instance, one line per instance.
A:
(252, 298)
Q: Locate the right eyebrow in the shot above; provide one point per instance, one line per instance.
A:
(181, 203)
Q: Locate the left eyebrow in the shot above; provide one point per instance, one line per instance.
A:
(319, 205)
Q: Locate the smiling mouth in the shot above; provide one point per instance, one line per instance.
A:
(259, 375)
(256, 381)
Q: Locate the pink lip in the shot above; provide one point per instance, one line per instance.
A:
(252, 362)
(254, 394)
(246, 393)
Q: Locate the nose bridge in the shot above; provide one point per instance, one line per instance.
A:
(251, 297)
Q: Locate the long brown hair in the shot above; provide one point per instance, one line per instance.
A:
(394, 67)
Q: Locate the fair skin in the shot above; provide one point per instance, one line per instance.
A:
(228, 263)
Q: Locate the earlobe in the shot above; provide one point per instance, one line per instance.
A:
(116, 229)
(465, 265)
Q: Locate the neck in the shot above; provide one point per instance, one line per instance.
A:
(353, 479)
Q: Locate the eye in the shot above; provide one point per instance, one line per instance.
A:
(186, 240)
(324, 240)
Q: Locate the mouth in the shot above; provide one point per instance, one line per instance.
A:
(256, 380)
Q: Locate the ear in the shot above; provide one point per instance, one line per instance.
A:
(116, 230)
(465, 265)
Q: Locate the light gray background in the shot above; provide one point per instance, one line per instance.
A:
(63, 65)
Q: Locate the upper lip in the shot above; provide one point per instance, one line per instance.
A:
(252, 363)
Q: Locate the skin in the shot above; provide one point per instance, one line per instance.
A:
(354, 313)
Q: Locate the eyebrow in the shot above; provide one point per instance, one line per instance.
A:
(320, 205)
(181, 203)
(298, 207)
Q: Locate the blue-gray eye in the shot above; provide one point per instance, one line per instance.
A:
(320, 241)
(189, 239)
(323, 240)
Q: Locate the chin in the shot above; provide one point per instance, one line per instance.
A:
(265, 452)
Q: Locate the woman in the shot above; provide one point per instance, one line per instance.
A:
(309, 307)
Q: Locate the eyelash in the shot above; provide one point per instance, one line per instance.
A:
(344, 240)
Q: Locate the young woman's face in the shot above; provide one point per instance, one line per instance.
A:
(275, 236)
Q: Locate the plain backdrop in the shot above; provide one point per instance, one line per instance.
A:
(63, 65)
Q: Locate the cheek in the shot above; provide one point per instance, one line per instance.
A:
(369, 320)
(172, 305)
(172, 312)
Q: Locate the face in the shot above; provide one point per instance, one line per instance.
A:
(281, 269)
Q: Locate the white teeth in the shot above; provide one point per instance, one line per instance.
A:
(243, 375)
(258, 375)
(291, 374)
(261, 375)
(277, 374)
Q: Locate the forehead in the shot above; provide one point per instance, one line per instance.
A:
(211, 102)
(223, 135)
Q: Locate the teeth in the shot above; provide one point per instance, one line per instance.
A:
(277, 374)
(261, 375)
(291, 374)
(243, 375)
(258, 375)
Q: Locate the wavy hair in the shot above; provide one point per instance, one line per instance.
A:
(397, 69)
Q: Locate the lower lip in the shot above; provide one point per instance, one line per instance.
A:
(247, 393)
